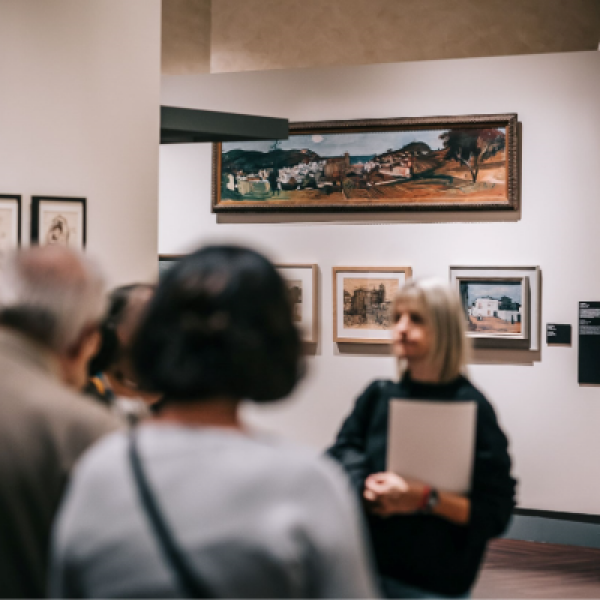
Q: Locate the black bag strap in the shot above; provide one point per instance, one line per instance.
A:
(189, 582)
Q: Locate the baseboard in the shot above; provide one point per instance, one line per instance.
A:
(552, 527)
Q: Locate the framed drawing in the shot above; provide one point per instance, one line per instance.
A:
(58, 221)
(302, 283)
(362, 302)
(10, 222)
(501, 304)
(429, 163)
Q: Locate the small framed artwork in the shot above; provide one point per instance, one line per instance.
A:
(10, 222)
(362, 302)
(302, 283)
(500, 303)
(58, 221)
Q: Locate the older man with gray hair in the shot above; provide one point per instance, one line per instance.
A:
(51, 301)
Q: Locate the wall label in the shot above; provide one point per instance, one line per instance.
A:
(589, 342)
(558, 334)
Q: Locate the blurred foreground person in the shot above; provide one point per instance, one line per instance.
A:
(191, 503)
(113, 381)
(51, 300)
(427, 542)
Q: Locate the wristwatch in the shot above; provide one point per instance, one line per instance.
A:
(433, 499)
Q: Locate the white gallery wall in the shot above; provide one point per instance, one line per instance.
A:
(553, 423)
(79, 116)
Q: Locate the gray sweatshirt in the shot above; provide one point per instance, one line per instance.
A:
(256, 517)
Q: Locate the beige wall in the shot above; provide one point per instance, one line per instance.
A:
(250, 35)
(185, 36)
(552, 422)
(79, 97)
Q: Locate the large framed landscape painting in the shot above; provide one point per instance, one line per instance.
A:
(362, 302)
(429, 163)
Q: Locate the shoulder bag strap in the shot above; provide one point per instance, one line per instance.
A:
(189, 582)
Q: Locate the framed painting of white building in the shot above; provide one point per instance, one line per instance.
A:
(362, 302)
(500, 303)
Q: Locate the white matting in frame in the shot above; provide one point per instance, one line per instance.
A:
(362, 302)
(58, 221)
(10, 222)
(302, 283)
(532, 289)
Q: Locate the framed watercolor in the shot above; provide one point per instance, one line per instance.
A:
(362, 301)
(427, 163)
(58, 221)
(302, 280)
(10, 222)
(501, 304)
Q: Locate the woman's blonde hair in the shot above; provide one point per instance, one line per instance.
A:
(446, 318)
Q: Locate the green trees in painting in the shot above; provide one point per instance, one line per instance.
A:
(471, 147)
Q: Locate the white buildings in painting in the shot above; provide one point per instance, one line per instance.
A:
(503, 308)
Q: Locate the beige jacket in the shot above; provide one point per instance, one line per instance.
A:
(44, 428)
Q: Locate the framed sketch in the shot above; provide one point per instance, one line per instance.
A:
(302, 283)
(427, 163)
(58, 221)
(501, 304)
(10, 222)
(362, 302)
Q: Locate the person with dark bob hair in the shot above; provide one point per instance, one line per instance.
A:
(220, 324)
(192, 503)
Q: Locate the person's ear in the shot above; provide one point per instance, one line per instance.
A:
(87, 343)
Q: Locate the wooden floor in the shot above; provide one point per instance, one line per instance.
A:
(516, 569)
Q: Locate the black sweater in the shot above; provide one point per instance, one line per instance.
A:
(427, 551)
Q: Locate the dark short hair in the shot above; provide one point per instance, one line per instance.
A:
(219, 326)
(118, 302)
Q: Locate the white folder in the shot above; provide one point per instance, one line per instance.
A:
(433, 442)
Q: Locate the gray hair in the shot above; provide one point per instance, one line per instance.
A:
(445, 314)
(51, 294)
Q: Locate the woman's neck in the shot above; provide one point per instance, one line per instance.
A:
(423, 372)
(213, 412)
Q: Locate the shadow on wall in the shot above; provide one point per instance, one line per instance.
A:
(501, 356)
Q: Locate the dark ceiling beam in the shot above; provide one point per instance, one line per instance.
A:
(189, 125)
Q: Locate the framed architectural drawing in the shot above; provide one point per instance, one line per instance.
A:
(501, 304)
(429, 163)
(10, 222)
(58, 221)
(302, 283)
(362, 302)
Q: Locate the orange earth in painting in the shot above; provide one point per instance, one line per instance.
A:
(492, 325)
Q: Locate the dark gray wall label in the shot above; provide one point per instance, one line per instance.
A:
(558, 334)
(589, 342)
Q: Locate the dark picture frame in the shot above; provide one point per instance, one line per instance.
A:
(473, 166)
(70, 226)
(166, 261)
(7, 201)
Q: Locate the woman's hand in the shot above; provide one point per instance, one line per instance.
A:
(389, 494)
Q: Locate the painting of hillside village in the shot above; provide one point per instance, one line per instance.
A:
(436, 167)
(493, 307)
(367, 302)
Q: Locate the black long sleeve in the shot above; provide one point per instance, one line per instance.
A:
(425, 550)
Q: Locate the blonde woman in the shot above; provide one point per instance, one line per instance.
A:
(426, 542)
